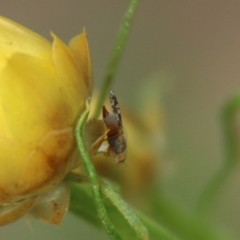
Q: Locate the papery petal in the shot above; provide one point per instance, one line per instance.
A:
(43, 168)
(11, 156)
(52, 161)
(79, 47)
(70, 77)
(43, 90)
(16, 38)
(12, 213)
(31, 103)
(52, 206)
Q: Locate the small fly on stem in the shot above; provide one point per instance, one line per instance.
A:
(115, 136)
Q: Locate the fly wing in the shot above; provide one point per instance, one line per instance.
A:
(115, 108)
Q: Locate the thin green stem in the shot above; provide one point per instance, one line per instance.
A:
(215, 186)
(132, 219)
(102, 213)
(116, 55)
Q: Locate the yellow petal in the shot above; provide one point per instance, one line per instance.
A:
(31, 103)
(43, 90)
(12, 154)
(79, 47)
(52, 159)
(70, 77)
(24, 173)
(16, 38)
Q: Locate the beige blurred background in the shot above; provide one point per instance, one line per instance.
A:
(196, 44)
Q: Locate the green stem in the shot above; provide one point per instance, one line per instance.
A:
(116, 55)
(215, 186)
(79, 132)
(123, 208)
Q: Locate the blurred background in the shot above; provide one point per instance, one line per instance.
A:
(191, 51)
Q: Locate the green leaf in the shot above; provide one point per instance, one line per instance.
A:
(129, 224)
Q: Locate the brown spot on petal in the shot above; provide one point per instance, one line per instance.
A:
(59, 116)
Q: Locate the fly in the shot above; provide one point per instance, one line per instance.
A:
(115, 136)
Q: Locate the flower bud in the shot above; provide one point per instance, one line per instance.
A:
(43, 90)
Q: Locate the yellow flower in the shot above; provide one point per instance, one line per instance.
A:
(43, 90)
